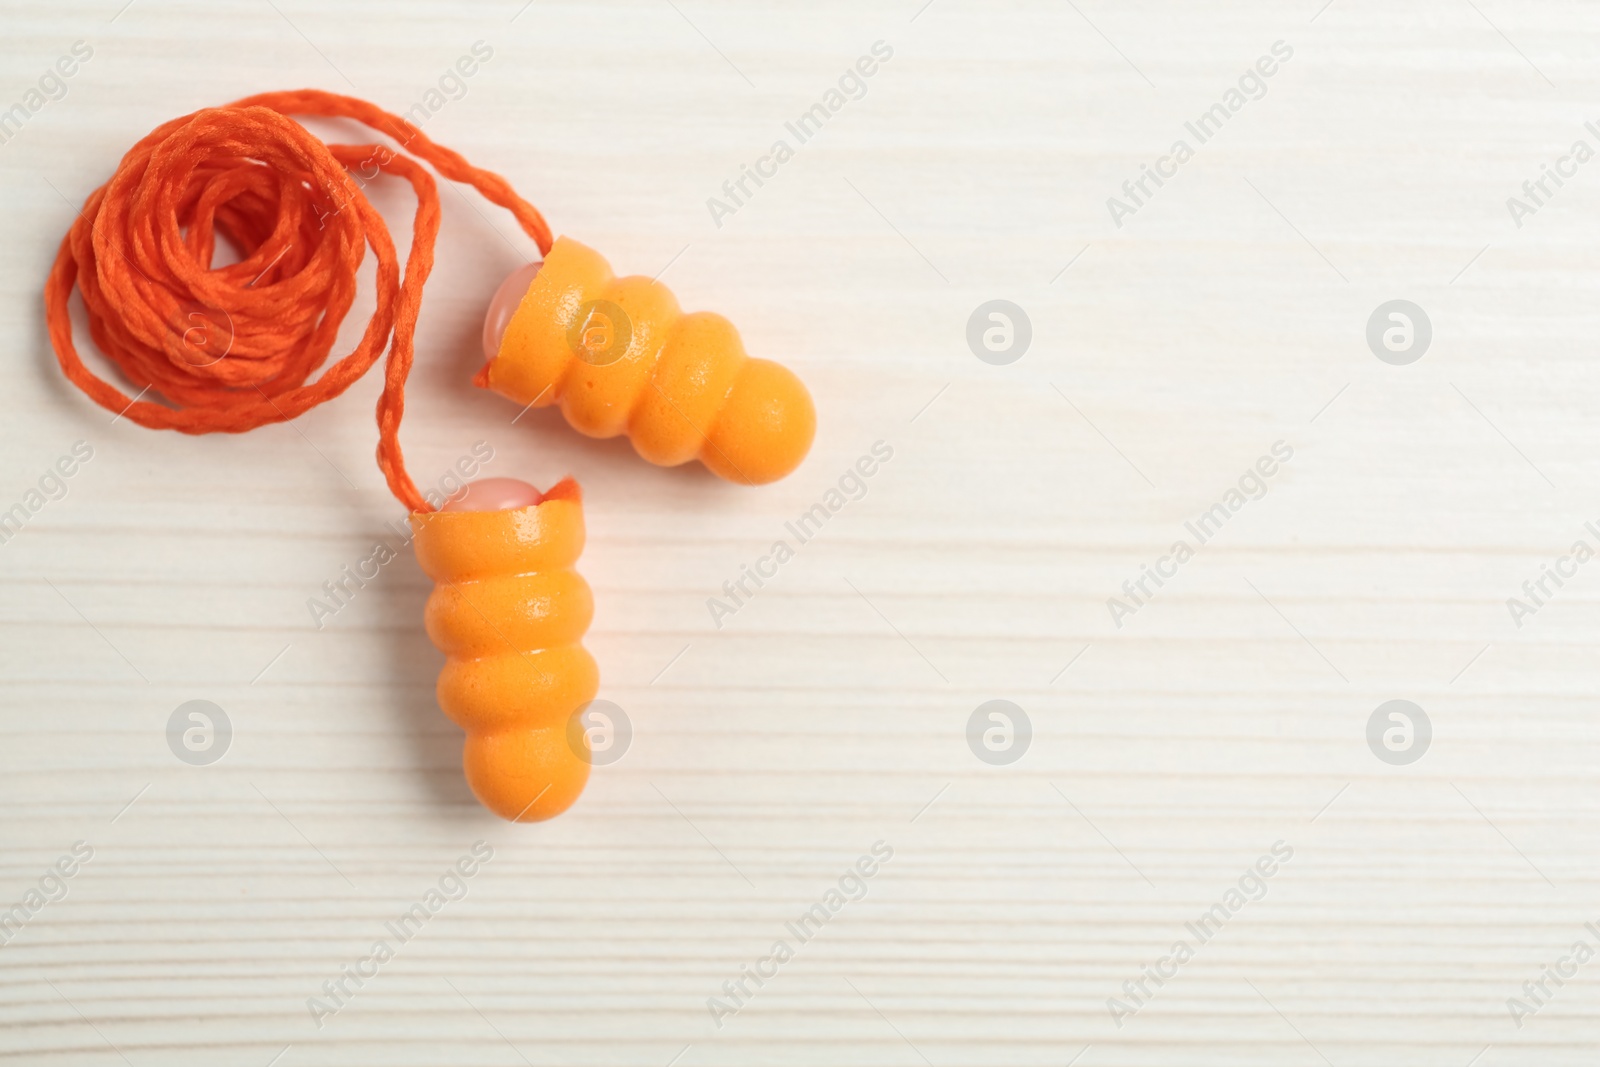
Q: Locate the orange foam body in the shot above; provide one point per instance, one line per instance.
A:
(620, 356)
(509, 612)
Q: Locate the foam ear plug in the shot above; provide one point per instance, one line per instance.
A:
(620, 357)
(509, 612)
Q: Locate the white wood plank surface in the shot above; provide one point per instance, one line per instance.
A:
(1168, 754)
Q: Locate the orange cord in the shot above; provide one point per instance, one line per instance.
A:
(141, 249)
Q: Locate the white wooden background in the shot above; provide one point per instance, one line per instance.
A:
(830, 713)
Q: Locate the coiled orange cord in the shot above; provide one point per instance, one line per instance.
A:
(141, 251)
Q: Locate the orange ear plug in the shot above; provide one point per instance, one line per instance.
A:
(619, 356)
(508, 611)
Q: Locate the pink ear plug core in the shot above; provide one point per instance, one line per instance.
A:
(495, 494)
(502, 307)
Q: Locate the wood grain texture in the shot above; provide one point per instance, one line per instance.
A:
(830, 712)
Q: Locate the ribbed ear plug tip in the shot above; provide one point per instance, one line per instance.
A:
(620, 357)
(509, 611)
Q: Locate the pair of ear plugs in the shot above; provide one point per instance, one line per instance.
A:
(617, 355)
(508, 609)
